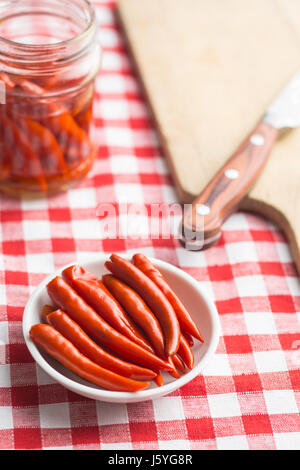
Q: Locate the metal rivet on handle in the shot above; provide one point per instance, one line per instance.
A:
(202, 209)
(257, 139)
(232, 173)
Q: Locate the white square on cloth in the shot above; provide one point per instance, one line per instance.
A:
(191, 259)
(3, 332)
(222, 406)
(82, 198)
(168, 409)
(218, 366)
(251, 286)
(174, 445)
(4, 376)
(6, 418)
(232, 443)
(112, 61)
(104, 15)
(109, 38)
(36, 229)
(287, 441)
(241, 252)
(270, 361)
(111, 109)
(129, 193)
(2, 289)
(116, 446)
(40, 263)
(260, 323)
(34, 204)
(280, 402)
(114, 83)
(124, 164)
(293, 285)
(43, 378)
(88, 229)
(118, 137)
(55, 415)
(111, 414)
(284, 252)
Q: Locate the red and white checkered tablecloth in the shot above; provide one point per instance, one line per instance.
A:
(248, 396)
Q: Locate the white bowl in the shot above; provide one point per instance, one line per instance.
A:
(192, 295)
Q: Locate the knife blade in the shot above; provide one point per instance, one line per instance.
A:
(202, 220)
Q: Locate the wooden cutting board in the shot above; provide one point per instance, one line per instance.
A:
(209, 69)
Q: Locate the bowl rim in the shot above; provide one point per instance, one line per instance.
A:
(98, 393)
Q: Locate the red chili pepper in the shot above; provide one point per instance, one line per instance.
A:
(42, 140)
(152, 295)
(74, 142)
(186, 353)
(72, 331)
(94, 292)
(12, 139)
(63, 351)
(55, 137)
(179, 364)
(8, 82)
(45, 312)
(5, 159)
(174, 373)
(83, 99)
(46, 147)
(70, 302)
(138, 310)
(189, 338)
(185, 320)
(73, 174)
(25, 162)
(159, 380)
(84, 118)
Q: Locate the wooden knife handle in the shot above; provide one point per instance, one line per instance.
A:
(203, 220)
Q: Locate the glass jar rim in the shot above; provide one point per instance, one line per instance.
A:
(22, 52)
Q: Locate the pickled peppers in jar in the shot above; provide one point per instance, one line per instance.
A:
(49, 59)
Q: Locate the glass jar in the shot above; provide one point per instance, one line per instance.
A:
(49, 58)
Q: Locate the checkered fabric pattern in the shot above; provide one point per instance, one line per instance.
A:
(248, 396)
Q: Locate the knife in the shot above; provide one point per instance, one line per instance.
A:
(202, 220)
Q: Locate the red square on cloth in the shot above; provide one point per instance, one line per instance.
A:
(200, 429)
(13, 247)
(27, 438)
(143, 431)
(87, 434)
(257, 424)
(282, 303)
(238, 344)
(24, 396)
(220, 273)
(229, 306)
(63, 245)
(16, 278)
(247, 382)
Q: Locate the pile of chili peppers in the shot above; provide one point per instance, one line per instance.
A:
(44, 141)
(119, 332)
